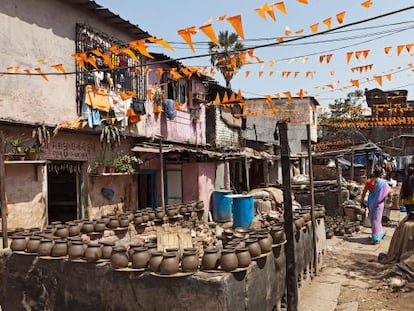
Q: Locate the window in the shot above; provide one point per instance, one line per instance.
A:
(127, 74)
(175, 90)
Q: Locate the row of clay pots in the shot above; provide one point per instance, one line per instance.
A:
(266, 237)
(228, 259)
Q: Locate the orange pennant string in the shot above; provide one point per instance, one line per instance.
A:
(288, 95)
(387, 49)
(295, 74)
(239, 95)
(140, 46)
(221, 18)
(131, 54)
(366, 4)
(280, 39)
(314, 27)
(14, 69)
(269, 11)
(161, 42)
(27, 71)
(271, 73)
(91, 60)
(209, 32)
(187, 72)
(236, 22)
(39, 71)
(328, 58)
(288, 32)
(217, 100)
(321, 58)
(114, 49)
(328, 22)
(340, 17)
(59, 68)
(225, 98)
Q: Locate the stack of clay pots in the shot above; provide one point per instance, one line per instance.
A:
(340, 226)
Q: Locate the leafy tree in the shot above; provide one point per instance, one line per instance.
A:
(221, 55)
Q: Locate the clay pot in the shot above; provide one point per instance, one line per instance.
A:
(189, 207)
(35, 229)
(190, 261)
(18, 243)
(253, 247)
(113, 222)
(243, 256)
(265, 242)
(33, 244)
(62, 231)
(76, 250)
(199, 205)
(305, 215)
(210, 258)
(183, 209)
(145, 217)
(151, 246)
(60, 248)
(278, 234)
(170, 263)
(228, 260)
(329, 234)
(107, 249)
(45, 247)
(119, 258)
(155, 261)
(138, 219)
(172, 211)
(140, 257)
(55, 223)
(151, 214)
(100, 225)
(73, 228)
(298, 221)
(88, 227)
(105, 219)
(93, 252)
(159, 213)
(131, 248)
(123, 222)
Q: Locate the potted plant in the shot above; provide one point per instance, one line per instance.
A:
(126, 163)
(109, 166)
(17, 152)
(32, 153)
(98, 167)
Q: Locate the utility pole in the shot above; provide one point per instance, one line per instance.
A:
(312, 196)
(3, 192)
(161, 174)
(291, 280)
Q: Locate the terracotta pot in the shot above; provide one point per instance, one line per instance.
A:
(189, 207)
(243, 256)
(123, 222)
(210, 258)
(88, 227)
(100, 225)
(305, 215)
(170, 263)
(140, 257)
(190, 261)
(93, 252)
(199, 205)
(76, 250)
(155, 261)
(35, 229)
(113, 222)
(62, 231)
(138, 219)
(329, 234)
(183, 209)
(151, 214)
(55, 223)
(18, 243)
(119, 258)
(173, 250)
(172, 211)
(159, 213)
(145, 217)
(107, 249)
(151, 246)
(265, 242)
(60, 248)
(228, 260)
(33, 244)
(253, 247)
(131, 248)
(278, 234)
(45, 247)
(105, 219)
(73, 229)
(298, 221)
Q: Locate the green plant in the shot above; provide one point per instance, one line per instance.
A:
(17, 144)
(125, 163)
(110, 136)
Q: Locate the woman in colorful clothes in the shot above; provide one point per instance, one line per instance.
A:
(407, 190)
(378, 191)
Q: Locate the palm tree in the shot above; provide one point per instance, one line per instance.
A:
(221, 55)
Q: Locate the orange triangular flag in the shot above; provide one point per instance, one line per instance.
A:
(358, 54)
(288, 74)
(399, 49)
(39, 71)
(278, 96)
(91, 60)
(210, 33)
(314, 27)
(186, 35)
(271, 73)
(261, 13)
(107, 60)
(328, 22)
(161, 42)
(408, 47)
(280, 39)
(340, 17)
(366, 4)
(27, 71)
(217, 100)
(131, 54)
(141, 47)
(59, 68)
(260, 74)
(348, 56)
(236, 22)
(365, 53)
(97, 52)
(288, 95)
(321, 58)
(232, 97)
(225, 98)
(14, 69)
(378, 79)
(388, 76)
(79, 60)
(280, 6)
(303, 1)
(295, 74)
(187, 72)
(114, 49)
(247, 73)
(288, 32)
(239, 95)
(298, 32)
(301, 94)
(221, 18)
(269, 11)
(269, 99)
(328, 58)
(387, 49)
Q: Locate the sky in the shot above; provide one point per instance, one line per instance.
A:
(163, 18)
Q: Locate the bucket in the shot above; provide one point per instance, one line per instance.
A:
(243, 210)
(221, 206)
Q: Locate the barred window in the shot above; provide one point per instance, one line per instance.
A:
(127, 74)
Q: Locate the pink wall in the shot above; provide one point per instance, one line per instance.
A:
(206, 177)
(190, 181)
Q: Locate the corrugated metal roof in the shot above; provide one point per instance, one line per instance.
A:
(110, 17)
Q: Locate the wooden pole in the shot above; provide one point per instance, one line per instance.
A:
(162, 175)
(338, 183)
(352, 165)
(291, 280)
(312, 197)
(247, 166)
(3, 191)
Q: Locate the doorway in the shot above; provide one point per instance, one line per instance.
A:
(147, 189)
(63, 194)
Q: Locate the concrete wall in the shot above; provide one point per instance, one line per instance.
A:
(219, 133)
(206, 178)
(33, 29)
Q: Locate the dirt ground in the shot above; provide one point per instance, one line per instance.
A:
(353, 279)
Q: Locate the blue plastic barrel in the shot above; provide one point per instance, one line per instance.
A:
(243, 210)
(221, 206)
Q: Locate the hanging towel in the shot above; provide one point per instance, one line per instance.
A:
(169, 109)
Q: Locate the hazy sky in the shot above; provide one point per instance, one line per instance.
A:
(163, 18)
